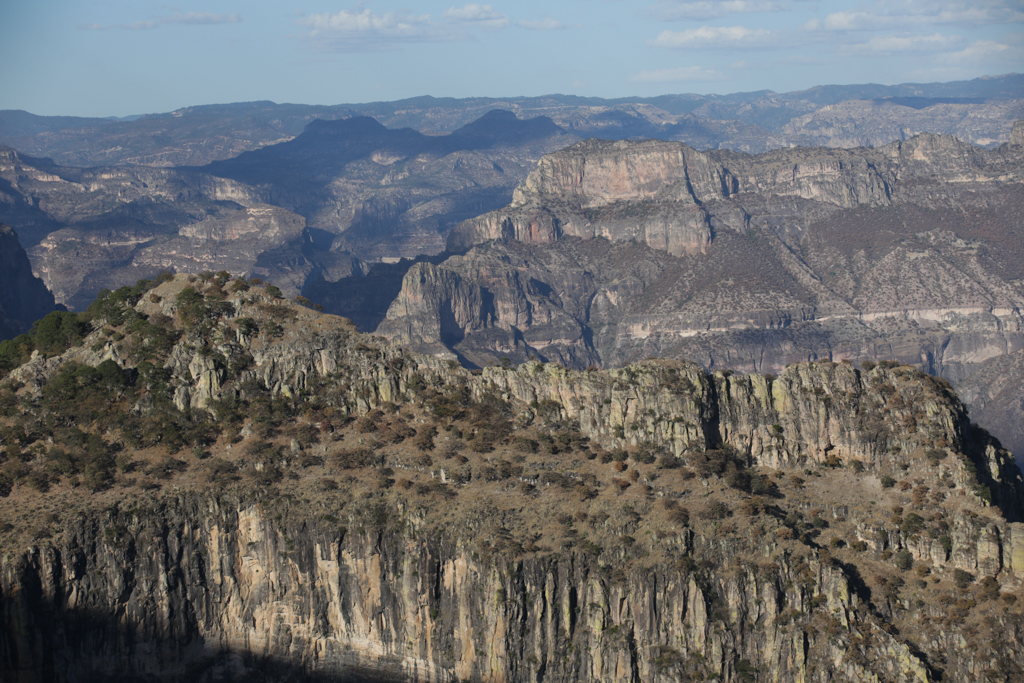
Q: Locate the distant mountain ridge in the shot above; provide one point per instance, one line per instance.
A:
(752, 121)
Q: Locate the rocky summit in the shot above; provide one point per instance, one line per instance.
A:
(204, 481)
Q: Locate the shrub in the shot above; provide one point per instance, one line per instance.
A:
(887, 482)
(946, 541)
(524, 444)
(717, 510)
(962, 579)
(763, 486)
(680, 516)
(988, 588)
(644, 456)
(912, 524)
(904, 560)
(424, 439)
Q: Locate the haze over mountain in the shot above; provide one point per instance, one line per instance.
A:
(339, 188)
(978, 111)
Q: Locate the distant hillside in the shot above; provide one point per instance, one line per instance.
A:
(978, 111)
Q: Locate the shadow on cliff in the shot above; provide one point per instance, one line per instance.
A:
(42, 643)
(365, 299)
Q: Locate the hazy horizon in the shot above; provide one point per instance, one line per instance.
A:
(127, 59)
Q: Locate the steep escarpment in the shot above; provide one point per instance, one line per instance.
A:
(908, 251)
(241, 487)
(610, 189)
(23, 297)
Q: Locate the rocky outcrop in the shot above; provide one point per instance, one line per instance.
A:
(629, 190)
(260, 240)
(197, 584)
(23, 297)
(208, 587)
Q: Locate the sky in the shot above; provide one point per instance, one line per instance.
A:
(120, 58)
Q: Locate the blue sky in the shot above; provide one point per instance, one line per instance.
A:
(116, 58)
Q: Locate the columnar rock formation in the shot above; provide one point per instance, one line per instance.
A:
(387, 587)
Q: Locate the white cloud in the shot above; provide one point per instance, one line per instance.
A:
(982, 51)
(191, 18)
(712, 36)
(698, 11)
(914, 13)
(479, 15)
(361, 30)
(889, 44)
(676, 75)
(542, 25)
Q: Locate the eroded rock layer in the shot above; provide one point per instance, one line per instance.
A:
(614, 251)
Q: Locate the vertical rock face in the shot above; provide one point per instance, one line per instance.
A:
(1017, 133)
(23, 297)
(197, 584)
(215, 588)
(659, 191)
(612, 189)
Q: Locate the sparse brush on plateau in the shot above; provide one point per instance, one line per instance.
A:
(203, 480)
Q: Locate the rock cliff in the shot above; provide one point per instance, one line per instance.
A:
(649, 190)
(614, 251)
(23, 297)
(771, 540)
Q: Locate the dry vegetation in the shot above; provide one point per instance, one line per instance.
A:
(511, 480)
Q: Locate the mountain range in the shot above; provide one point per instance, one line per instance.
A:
(608, 251)
(650, 394)
(978, 111)
(200, 480)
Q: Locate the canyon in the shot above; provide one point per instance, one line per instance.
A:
(611, 252)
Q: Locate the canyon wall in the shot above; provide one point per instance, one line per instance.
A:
(206, 583)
